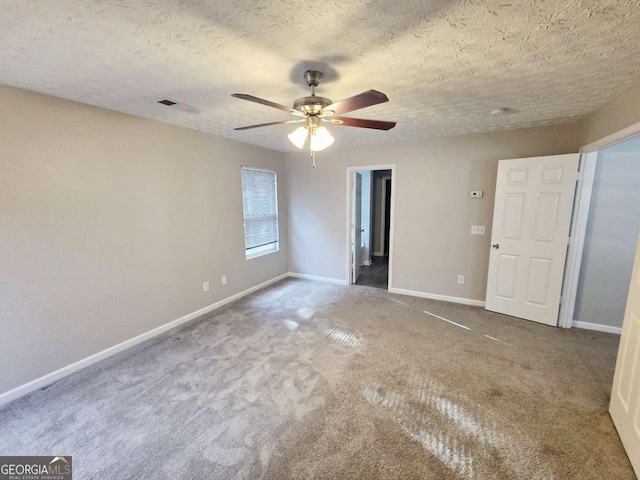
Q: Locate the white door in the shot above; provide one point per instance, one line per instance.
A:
(625, 394)
(531, 220)
(356, 257)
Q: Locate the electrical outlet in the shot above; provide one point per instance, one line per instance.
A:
(460, 279)
(205, 287)
(477, 229)
(223, 280)
(476, 194)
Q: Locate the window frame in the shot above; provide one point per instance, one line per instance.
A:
(259, 251)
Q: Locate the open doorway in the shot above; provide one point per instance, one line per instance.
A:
(370, 213)
(605, 232)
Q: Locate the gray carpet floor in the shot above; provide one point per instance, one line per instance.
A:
(311, 380)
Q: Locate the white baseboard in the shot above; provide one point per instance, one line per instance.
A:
(597, 327)
(434, 296)
(319, 279)
(367, 262)
(49, 378)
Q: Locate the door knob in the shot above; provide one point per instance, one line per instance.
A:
(496, 246)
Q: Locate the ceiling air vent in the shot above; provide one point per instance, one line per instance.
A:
(177, 106)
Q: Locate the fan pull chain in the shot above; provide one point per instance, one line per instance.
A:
(313, 158)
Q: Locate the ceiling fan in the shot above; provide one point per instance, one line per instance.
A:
(314, 110)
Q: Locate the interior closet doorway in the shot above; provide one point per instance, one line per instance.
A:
(604, 233)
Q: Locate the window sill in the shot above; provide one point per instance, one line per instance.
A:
(261, 253)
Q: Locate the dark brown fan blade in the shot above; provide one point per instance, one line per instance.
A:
(269, 124)
(362, 100)
(362, 123)
(284, 108)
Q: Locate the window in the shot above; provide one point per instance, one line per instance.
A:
(260, 209)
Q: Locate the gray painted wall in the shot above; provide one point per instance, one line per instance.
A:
(433, 212)
(617, 114)
(612, 233)
(109, 226)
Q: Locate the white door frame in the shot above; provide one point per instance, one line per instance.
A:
(391, 167)
(586, 175)
(384, 212)
(356, 231)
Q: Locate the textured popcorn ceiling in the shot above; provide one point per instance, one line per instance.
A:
(445, 65)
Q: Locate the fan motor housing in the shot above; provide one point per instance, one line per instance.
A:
(312, 104)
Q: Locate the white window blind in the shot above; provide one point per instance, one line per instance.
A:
(260, 208)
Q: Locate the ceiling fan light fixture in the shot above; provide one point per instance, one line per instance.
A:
(315, 109)
(321, 139)
(299, 136)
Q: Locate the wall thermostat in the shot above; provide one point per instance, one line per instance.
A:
(476, 194)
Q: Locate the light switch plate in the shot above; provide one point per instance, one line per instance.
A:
(477, 229)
